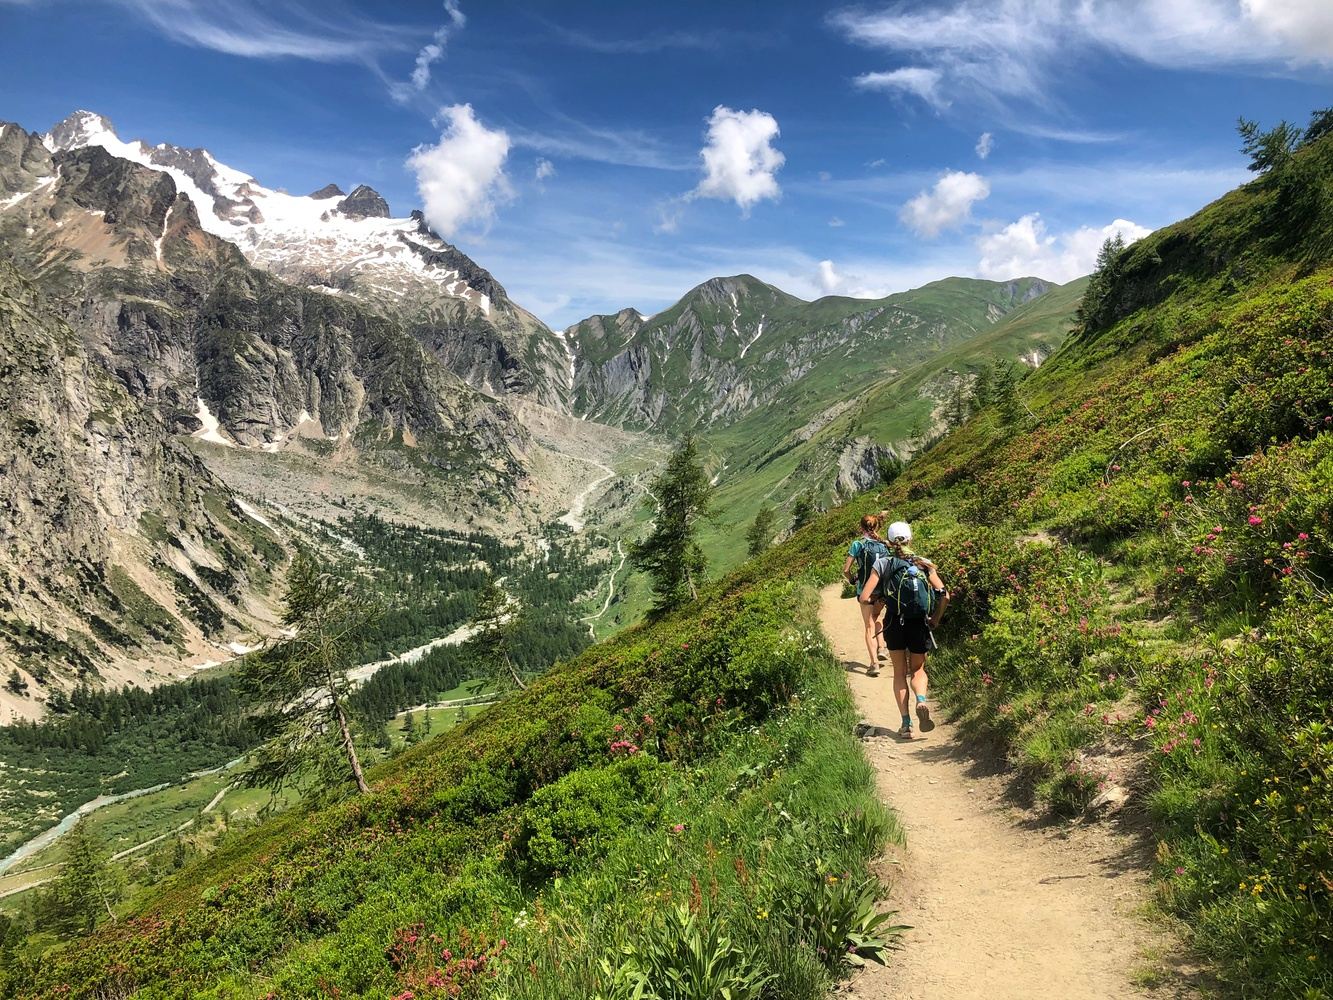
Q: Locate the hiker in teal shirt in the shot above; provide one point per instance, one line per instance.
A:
(860, 561)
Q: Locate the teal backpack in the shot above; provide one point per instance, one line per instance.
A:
(871, 550)
(906, 589)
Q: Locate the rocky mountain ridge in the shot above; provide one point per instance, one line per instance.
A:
(147, 555)
(353, 247)
(733, 345)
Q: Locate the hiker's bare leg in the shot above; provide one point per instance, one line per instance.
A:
(920, 681)
(868, 621)
(899, 658)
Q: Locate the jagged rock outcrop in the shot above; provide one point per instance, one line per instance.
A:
(364, 203)
(353, 248)
(861, 464)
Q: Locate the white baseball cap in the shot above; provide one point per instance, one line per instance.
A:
(900, 531)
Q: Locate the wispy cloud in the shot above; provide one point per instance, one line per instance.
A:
(660, 41)
(255, 30)
(573, 139)
(985, 143)
(919, 81)
(1010, 54)
(430, 53)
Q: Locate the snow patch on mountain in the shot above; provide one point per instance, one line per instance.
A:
(300, 237)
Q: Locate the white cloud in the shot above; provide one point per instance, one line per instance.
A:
(1025, 248)
(1014, 51)
(461, 178)
(1305, 26)
(263, 31)
(836, 223)
(946, 206)
(668, 216)
(544, 169)
(740, 163)
(430, 53)
(918, 80)
(831, 281)
(985, 143)
(827, 277)
(875, 164)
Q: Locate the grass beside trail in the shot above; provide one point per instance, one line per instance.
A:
(688, 788)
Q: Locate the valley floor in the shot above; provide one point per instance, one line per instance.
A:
(1003, 904)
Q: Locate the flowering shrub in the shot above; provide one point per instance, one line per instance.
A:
(1237, 536)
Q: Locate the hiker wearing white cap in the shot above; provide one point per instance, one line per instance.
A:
(916, 597)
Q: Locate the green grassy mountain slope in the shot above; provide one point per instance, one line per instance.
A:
(1142, 569)
(734, 346)
(701, 768)
(775, 455)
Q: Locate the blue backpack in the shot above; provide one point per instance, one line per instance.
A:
(905, 587)
(871, 550)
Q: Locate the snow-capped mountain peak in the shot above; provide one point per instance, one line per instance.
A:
(351, 245)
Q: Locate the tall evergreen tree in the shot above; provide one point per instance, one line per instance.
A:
(497, 622)
(957, 407)
(1104, 275)
(760, 532)
(1004, 390)
(301, 683)
(1271, 149)
(86, 886)
(671, 554)
(802, 510)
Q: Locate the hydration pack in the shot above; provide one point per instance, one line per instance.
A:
(905, 588)
(871, 550)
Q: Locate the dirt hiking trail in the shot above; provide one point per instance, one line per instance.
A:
(1002, 903)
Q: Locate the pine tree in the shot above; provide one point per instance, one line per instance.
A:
(760, 532)
(1092, 306)
(301, 683)
(957, 408)
(497, 621)
(671, 554)
(16, 684)
(802, 510)
(86, 886)
(1004, 390)
(1272, 149)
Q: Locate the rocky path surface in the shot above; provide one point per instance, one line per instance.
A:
(1003, 904)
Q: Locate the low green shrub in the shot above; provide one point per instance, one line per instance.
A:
(585, 810)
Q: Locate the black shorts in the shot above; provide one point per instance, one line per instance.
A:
(911, 635)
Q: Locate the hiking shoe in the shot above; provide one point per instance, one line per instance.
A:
(905, 733)
(882, 655)
(923, 717)
(872, 670)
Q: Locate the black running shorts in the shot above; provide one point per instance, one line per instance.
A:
(911, 635)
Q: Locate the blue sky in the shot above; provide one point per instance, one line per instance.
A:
(599, 155)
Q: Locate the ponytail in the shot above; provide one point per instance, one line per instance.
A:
(870, 526)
